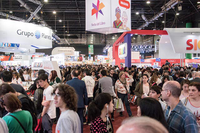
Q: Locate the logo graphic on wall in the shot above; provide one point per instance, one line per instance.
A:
(97, 8)
(37, 34)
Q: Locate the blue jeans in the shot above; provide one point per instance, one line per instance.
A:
(124, 98)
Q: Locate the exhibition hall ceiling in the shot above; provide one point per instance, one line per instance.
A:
(70, 14)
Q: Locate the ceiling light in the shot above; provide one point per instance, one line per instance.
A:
(137, 13)
(60, 20)
(54, 12)
(177, 13)
(66, 31)
(10, 12)
(148, 2)
(163, 22)
(192, 33)
(198, 2)
(63, 26)
(134, 38)
(45, 0)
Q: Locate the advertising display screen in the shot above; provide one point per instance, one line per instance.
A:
(122, 50)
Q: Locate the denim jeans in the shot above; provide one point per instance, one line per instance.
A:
(124, 98)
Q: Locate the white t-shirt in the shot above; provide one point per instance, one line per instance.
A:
(26, 77)
(163, 105)
(17, 81)
(69, 122)
(90, 83)
(47, 96)
(3, 126)
(195, 110)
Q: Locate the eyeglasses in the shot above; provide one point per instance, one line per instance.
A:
(57, 95)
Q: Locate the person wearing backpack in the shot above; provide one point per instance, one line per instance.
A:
(26, 102)
(17, 120)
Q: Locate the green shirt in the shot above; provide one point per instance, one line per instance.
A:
(25, 119)
(55, 81)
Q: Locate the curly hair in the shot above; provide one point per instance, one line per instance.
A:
(68, 95)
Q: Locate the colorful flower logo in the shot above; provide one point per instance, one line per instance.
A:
(97, 8)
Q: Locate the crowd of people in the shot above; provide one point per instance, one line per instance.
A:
(167, 99)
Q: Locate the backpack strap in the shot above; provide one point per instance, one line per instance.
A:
(18, 122)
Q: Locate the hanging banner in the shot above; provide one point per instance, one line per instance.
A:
(26, 34)
(108, 16)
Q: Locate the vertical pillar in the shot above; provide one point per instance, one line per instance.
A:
(127, 39)
(188, 55)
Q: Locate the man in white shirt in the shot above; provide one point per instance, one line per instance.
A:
(49, 109)
(90, 83)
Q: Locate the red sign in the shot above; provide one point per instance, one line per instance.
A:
(191, 46)
(124, 3)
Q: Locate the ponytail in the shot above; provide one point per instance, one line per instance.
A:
(96, 106)
(93, 111)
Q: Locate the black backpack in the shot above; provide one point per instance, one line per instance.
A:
(28, 105)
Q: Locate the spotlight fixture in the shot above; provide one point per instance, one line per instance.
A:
(46, 1)
(54, 12)
(198, 2)
(137, 13)
(177, 13)
(60, 20)
(163, 22)
(148, 2)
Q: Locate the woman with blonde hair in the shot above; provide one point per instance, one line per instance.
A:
(122, 90)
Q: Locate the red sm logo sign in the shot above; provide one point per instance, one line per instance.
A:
(124, 3)
(192, 44)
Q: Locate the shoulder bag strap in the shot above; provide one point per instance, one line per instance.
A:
(124, 86)
(185, 102)
(18, 122)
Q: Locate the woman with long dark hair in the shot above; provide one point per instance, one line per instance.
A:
(142, 88)
(151, 107)
(98, 111)
(185, 89)
(53, 77)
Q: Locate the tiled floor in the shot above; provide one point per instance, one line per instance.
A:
(116, 123)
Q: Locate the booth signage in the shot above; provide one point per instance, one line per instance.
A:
(90, 49)
(122, 50)
(25, 34)
(108, 16)
(15, 45)
(185, 40)
(68, 51)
